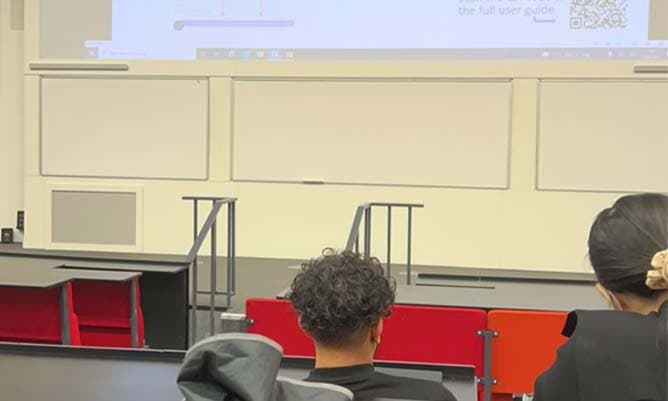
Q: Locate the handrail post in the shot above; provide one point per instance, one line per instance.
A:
(193, 327)
(234, 248)
(230, 254)
(410, 247)
(214, 280)
(389, 241)
(367, 232)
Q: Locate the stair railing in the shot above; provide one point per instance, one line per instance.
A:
(200, 234)
(363, 212)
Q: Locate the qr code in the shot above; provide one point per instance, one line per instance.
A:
(598, 14)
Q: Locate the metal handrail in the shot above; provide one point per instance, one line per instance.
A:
(204, 231)
(199, 238)
(364, 212)
(353, 237)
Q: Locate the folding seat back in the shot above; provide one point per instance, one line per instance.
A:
(33, 315)
(103, 308)
(526, 346)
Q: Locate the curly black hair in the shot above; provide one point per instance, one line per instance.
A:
(339, 293)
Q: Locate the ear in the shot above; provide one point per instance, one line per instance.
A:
(619, 302)
(615, 302)
(377, 332)
(604, 293)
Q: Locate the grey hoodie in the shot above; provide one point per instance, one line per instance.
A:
(244, 367)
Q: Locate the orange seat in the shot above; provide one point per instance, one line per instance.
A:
(525, 347)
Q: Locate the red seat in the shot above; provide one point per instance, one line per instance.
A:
(276, 319)
(412, 333)
(104, 313)
(439, 335)
(434, 335)
(33, 315)
(526, 346)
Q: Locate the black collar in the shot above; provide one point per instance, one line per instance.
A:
(343, 374)
(572, 319)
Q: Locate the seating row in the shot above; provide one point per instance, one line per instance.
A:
(522, 344)
(78, 312)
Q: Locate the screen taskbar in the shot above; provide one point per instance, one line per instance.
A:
(655, 53)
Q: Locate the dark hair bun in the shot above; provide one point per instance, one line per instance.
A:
(624, 239)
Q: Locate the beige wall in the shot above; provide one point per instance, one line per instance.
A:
(515, 228)
(11, 118)
(518, 227)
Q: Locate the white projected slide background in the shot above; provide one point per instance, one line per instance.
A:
(349, 29)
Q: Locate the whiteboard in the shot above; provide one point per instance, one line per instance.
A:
(134, 128)
(603, 136)
(422, 133)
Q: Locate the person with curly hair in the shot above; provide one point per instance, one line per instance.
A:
(342, 299)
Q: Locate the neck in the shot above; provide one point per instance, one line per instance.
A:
(645, 307)
(659, 301)
(329, 357)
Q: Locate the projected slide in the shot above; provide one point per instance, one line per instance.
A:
(355, 29)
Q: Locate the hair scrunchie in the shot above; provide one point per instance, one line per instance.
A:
(657, 277)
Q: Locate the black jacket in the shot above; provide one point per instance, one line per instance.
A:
(368, 384)
(244, 367)
(611, 356)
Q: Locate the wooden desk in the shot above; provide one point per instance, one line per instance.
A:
(85, 374)
(42, 279)
(33, 278)
(114, 276)
(504, 295)
(82, 374)
(164, 298)
(37, 275)
(491, 289)
(163, 284)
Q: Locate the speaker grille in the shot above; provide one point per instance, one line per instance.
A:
(105, 218)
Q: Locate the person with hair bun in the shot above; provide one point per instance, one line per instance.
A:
(342, 299)
(619, 355)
